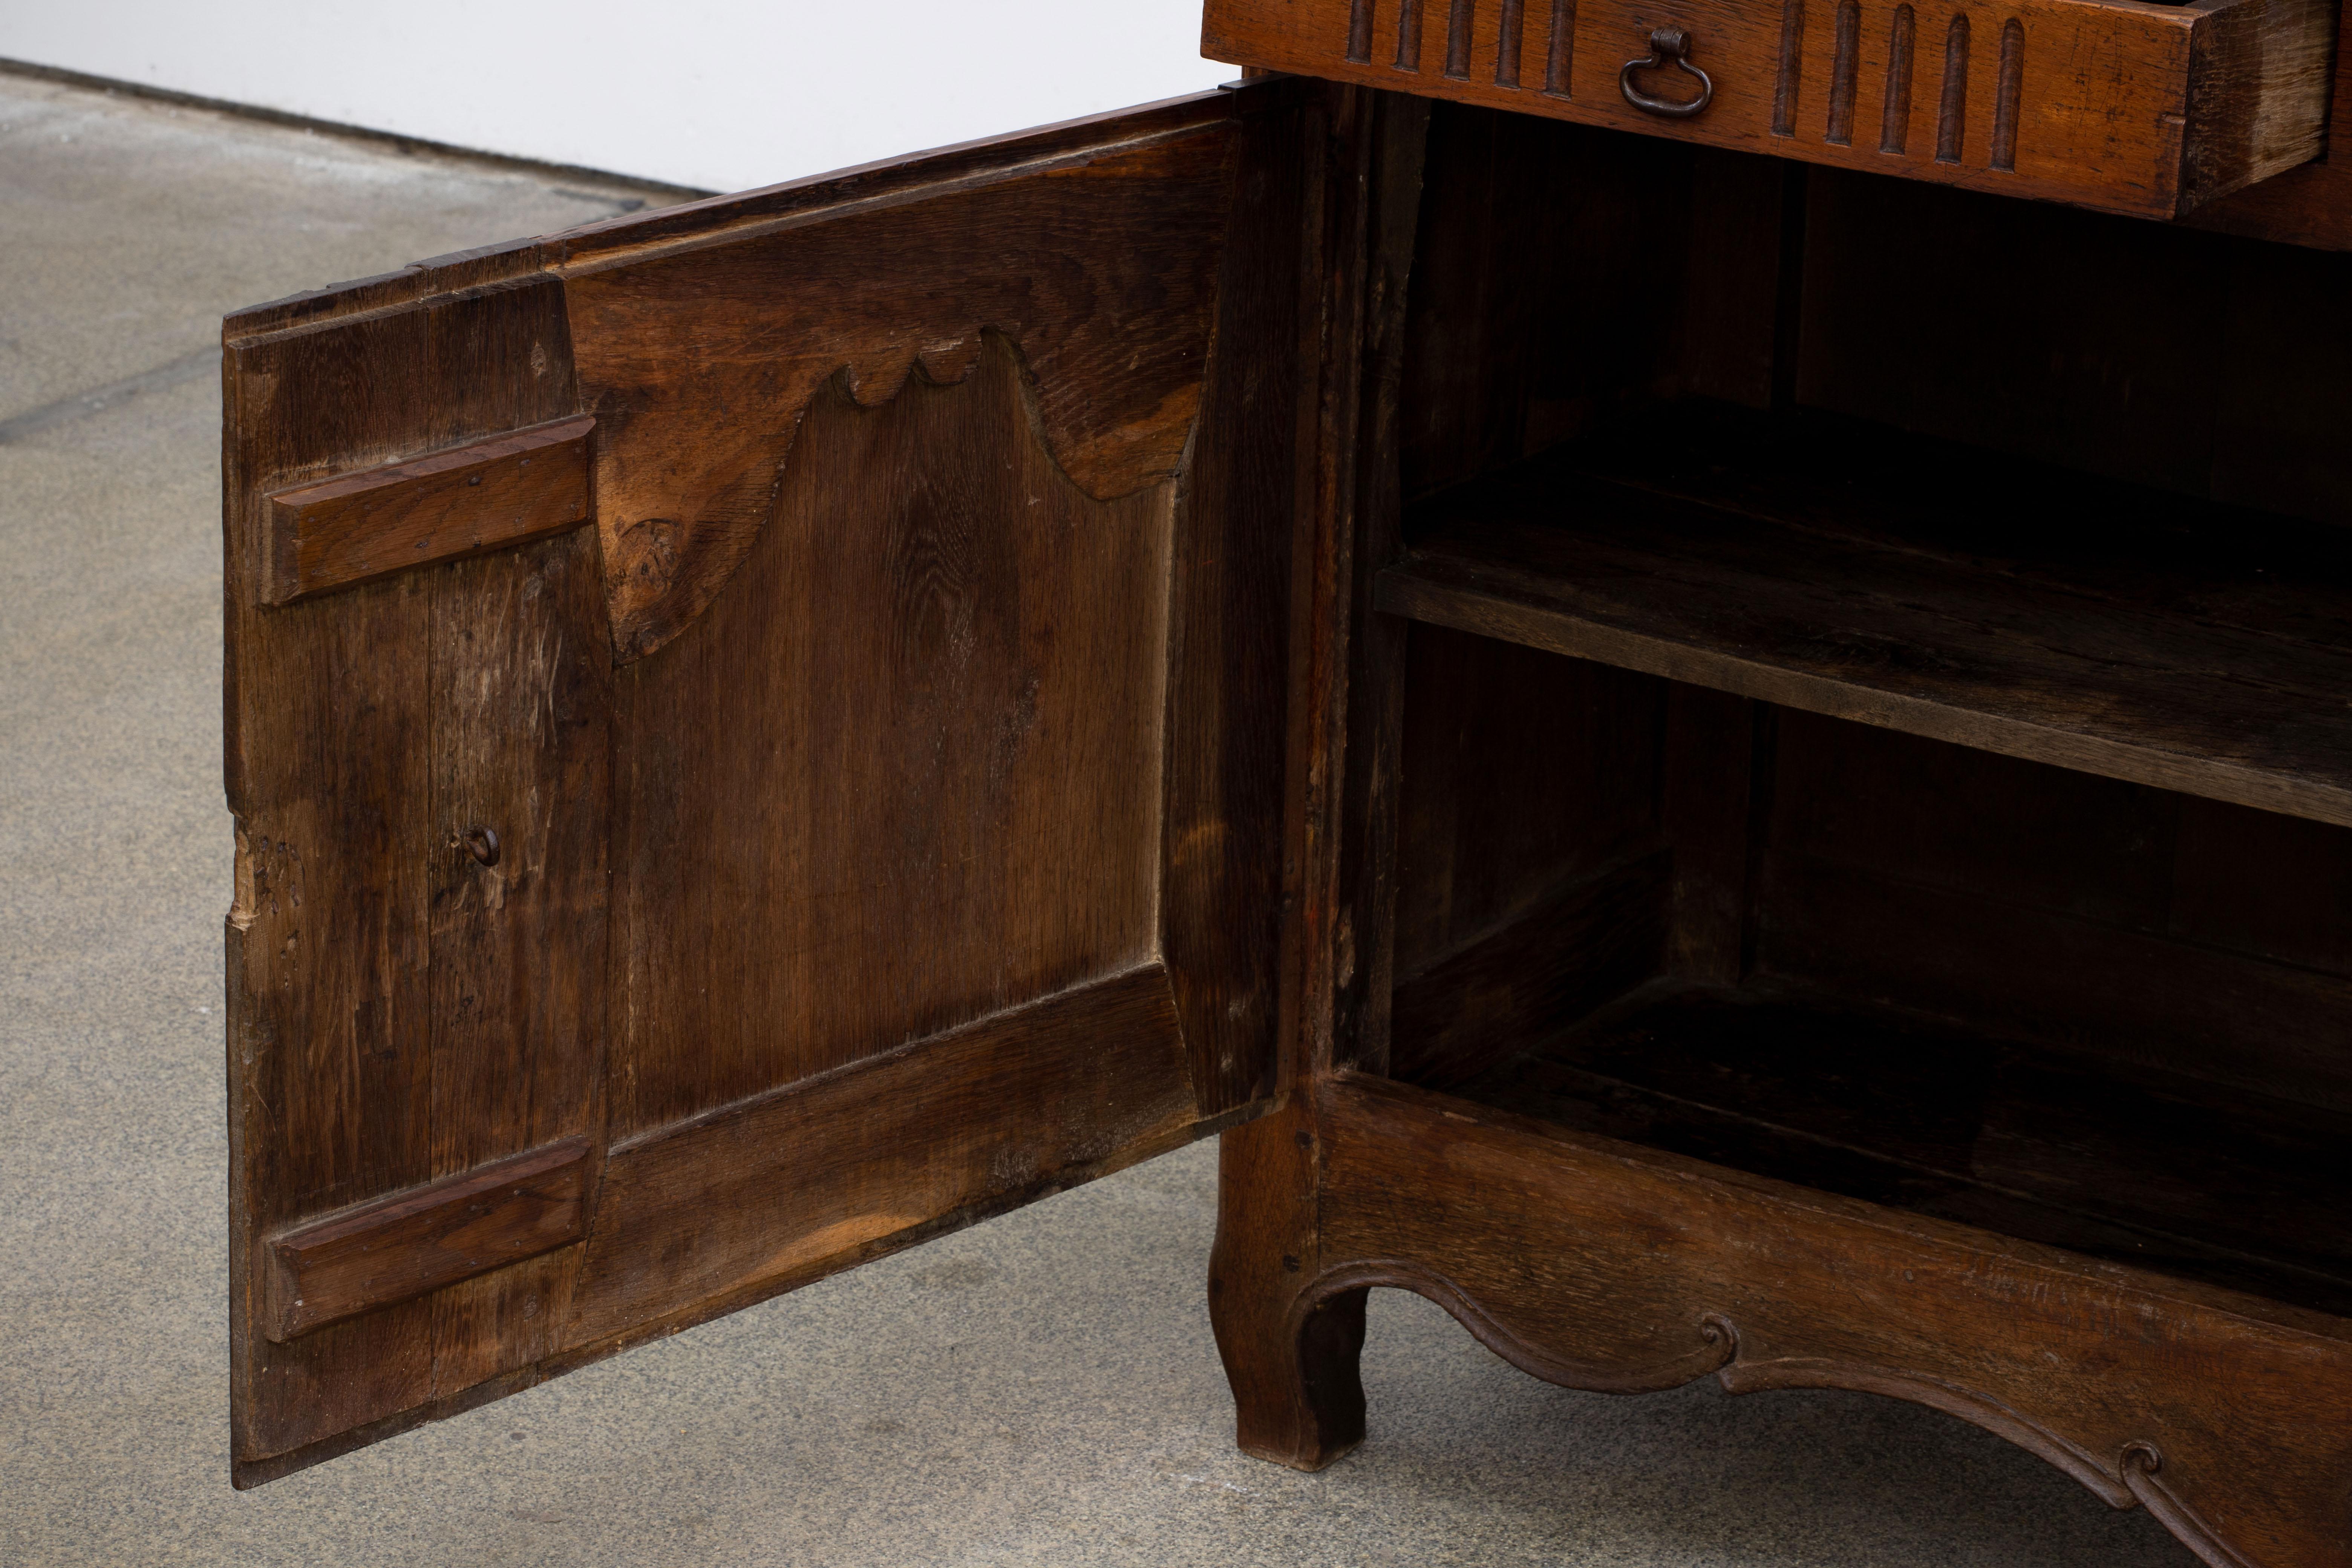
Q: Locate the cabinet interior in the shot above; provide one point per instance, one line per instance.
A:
(1711, 467)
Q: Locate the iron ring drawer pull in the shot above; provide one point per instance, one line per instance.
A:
(1667, 46)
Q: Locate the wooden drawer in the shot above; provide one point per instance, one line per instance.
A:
(2114, 104)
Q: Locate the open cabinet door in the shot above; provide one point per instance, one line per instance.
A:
(756, 736)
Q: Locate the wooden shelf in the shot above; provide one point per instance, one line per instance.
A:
(1920, 1115)
(1846, 570)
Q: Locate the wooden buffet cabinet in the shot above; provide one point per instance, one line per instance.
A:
(1702, 735)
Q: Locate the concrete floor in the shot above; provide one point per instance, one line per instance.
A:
(1040, 1390)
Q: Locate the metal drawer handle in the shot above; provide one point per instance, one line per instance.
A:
(1667, 46)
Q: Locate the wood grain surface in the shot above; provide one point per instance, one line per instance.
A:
(2168, 1172)
(2310, 204)
(1822, 594)
(2030, 998)
(2128, 107)
(371, 955)
(1606, 1266)
(699, 356)
(936, 828)
(485, 496)
(750, 1199)
(908, 771)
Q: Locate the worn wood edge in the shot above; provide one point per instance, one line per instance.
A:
(2310, 205)
(1362, 1094)
(1487, 612)
(289, 509)
(2271, 63)
(2143, 1464)
(1186, 113)
(853, 205)
(283, 1322)
(789, 1193)
(1977, 1409)
(419, 283)
(249, 1473)
(1719, 1342)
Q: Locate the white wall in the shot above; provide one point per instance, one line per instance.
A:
(717, 93)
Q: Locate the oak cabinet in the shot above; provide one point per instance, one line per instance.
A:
(1728, 764)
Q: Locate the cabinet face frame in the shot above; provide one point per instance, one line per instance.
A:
(758, 735)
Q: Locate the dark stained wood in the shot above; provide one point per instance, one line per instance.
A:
(1549, 967)
(345, 941)
(1564, 273)
(1523, 774)
(1007, 720)
(2270, 886)
(1906, 1110)
(1717, 749)
(805, 879)
(962, 796)
(1821, 593)
(2137, 110)
(522, 260)
(1298, 1397)
(700, 354)
(2142, 1000)
(2310, 204)
(1374, 644)
(1603, 1265)
(485, 496)
(401, 1246)
(520, 692)
(755, 1198)
(2007, 1025)
(1221, 888)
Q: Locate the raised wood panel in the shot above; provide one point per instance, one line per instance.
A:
(698, 357)
(906, 771)
(2108, 103)
(1605, 1265)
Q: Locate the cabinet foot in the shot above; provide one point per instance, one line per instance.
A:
(1292, 1360)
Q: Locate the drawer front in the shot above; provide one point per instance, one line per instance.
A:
(2114, 104)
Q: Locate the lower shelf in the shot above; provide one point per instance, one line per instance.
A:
(1915, 1114)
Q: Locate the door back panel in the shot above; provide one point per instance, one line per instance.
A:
(846, 805)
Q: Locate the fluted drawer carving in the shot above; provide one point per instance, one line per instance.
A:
(2115, 104)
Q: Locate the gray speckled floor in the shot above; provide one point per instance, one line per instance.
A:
(1041, 1390)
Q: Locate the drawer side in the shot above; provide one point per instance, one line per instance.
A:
(2259, 85)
